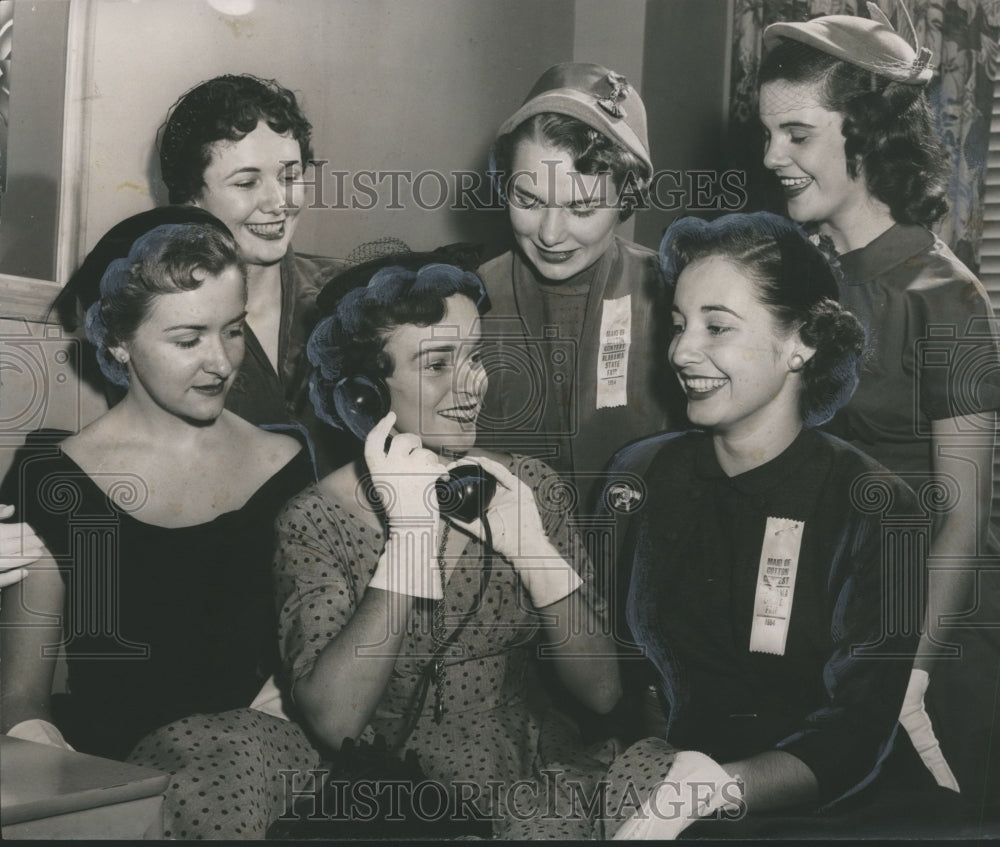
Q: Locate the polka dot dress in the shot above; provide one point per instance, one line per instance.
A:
(489, 743)
(631, 779)
(226, 780)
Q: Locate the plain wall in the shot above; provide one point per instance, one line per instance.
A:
(685, 80)
(607, 34)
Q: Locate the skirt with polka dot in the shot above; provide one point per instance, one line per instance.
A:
(226, 769)
(631, 779)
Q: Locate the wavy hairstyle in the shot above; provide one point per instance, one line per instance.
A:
(351, 339)
(797, 285)
(225, 108)
(888, 129)
(593, 153)
(168, 259)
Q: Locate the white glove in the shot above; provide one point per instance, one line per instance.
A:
(518, 536)
(917, 723)
(404, 477)
(269, 701)
(19, 547)
(39, 731)
(694, 787)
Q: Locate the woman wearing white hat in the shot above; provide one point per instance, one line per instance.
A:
(849, 134)
(576, 375)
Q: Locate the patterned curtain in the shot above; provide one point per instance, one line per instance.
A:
(964, 37)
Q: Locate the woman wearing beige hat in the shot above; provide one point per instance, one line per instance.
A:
(849, 134)
(573, 377)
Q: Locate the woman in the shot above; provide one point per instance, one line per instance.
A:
(237, 146)
(572, 376)
(369, 593)
(158, 589)
(757, 576)
(849, 135)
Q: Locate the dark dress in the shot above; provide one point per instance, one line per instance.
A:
(262, 395)
(831, 697)
(572, 392)
(932, 348)
(933, 356)
(159, 623)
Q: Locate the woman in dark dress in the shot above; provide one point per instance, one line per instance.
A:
(572, 368)
(850, 136)
(759, 588)
(157, 519)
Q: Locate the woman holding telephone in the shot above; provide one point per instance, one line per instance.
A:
(399, 617)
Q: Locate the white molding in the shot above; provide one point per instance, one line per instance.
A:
(31, 299)
(72, 209)
(27, 299)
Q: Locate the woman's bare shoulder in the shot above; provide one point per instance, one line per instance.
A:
(273, 448)
(104, 443)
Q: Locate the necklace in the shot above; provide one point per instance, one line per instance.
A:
(437, 632)
(435, 668)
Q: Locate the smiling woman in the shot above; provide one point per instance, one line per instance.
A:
(758, 585)
(570, 336)
(731, 355)
(254, 187)
(237, 146)
(850, 136)
(453, 604)
(439, 391)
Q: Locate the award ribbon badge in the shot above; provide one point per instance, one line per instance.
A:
(612, 357)
(772, 605)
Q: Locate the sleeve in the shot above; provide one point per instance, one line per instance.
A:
(957, 360)
(874, 617)
(622, 496)
(51, 496)
(315, 590)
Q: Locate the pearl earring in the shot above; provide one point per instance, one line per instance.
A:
(796, 363)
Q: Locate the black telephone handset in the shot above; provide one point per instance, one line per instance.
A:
(362, 401)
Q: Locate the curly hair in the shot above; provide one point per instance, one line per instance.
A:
(351, 339)
(225, 108)
(168, 259)
(887, 126)
(797, 285)
(592, 151)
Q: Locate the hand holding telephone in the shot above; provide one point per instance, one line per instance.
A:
(516, 532)
(362, 401)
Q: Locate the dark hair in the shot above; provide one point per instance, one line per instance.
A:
(84, 287)
(593, 153)
(225, 108)
(351, 340)
(797, 285)
(887, 126)
(168, 259)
